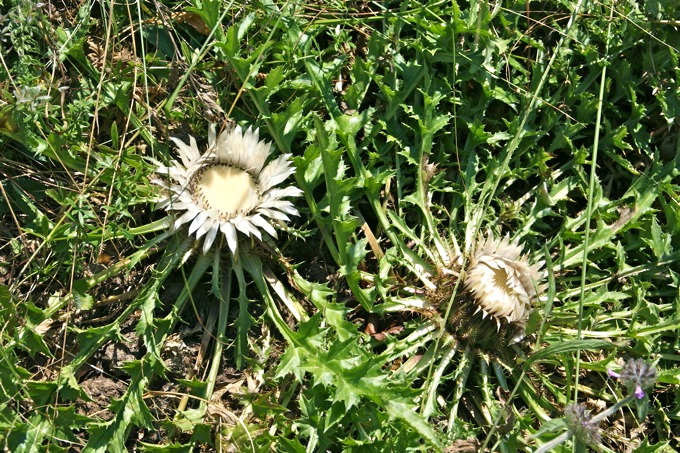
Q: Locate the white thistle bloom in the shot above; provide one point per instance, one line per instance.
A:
(228, 188)
(502, 281)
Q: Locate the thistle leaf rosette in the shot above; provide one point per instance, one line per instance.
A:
(230, 188)
(502, 281)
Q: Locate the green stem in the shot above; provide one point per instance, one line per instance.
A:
(244, 320)
(253, 265)
(554, 443)
(491, 185)
(448, 354)
(220, 338)
(589, 208)
(460, 378)
(293, 304)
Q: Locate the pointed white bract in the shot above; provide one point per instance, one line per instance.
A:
(229, 189)
(502, 281)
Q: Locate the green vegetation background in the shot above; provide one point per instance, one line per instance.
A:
(413, 126)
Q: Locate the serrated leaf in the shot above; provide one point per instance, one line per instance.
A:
(290, 363)
(658, 240)
(352, 124)
(354, 256)
(335, 314)
(7, 306)
(288, 123)
(81, 297)
(130, 410)
(29, 437)
(406, 411)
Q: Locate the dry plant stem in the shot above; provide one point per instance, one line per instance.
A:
(108, 301)
(100, 277)
(17, 281)
(198, 56)
(205, 339)
(372, 240)
(118, 298)
(165, 266)
(618, 405)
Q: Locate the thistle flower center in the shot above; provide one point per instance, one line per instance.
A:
(230, 191)
(500, 279)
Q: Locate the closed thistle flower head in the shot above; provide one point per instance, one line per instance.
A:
(502, 281)
(637, 375)
(228, 189)
(579, 421)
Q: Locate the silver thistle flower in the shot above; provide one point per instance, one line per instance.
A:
(228, 188)
(502, 281)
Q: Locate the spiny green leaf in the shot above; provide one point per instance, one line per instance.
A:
(81, 297)
(406, 411)
(30, 439)
(130, 410)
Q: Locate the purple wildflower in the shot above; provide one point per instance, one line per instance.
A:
(580, 423)
(636, 375)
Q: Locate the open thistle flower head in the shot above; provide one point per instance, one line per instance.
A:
(580, 423)
(230, 188)
(502, 281)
